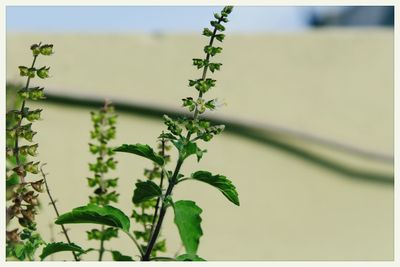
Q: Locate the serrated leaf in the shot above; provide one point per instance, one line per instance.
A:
(221, 183)
(187, 219)
(91, 213)
(142, 150)
(52, 248)
(117, 256)
(189, 257)
(145, 191)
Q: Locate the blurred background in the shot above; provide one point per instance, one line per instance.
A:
(309, 116)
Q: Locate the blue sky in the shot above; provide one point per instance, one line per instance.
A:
(150, 19)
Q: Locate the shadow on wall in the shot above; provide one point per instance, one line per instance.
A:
(271, 138)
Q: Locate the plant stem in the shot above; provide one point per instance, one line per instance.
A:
(163, 211)
(101, 181)
(53, 203)
(203, 77)
(16, 146)
(173, 180)
(161, 185)
(136, 243)
(101, 250)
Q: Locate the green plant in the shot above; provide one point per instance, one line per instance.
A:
(21, 182)
(152, 197)
(103, 131)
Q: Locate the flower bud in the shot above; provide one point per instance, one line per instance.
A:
(43, 72)
(33, 115)
(46, 49)
(35, 49)
(32, 167)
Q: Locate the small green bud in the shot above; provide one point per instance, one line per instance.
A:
(32, 150)
(28, 135)
(227, 9)
(210, 104)
(207, 137)
(96, 117)
(91, 182)
(110, 134)
(199, 63)
(33, 115)
(32, 167)
(43, 72)
(111, 163)
(112, 182)
(36, 93)
(46, 49)
(35, 49)
(207, 32)
(188, 102)
(23, 71)
(214, 66)
(24, 94)
(220, 37)
(217, 25)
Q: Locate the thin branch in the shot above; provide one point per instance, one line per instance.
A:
(53, 203)
(136, 243)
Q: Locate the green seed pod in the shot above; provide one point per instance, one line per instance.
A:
(33, 115)
(36, 93)
(43, 72)
(31, 72)
(32, 150)
(93, 148)
(32, 167)
(23, 71)
(46, 49)
(207, 32)
(35, 49)
(24, 94)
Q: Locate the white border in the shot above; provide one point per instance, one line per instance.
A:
(5, 3)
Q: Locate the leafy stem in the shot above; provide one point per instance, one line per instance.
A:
(184, 151)
(162, 173)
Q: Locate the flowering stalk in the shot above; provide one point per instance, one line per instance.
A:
(104, 131)
(21, 193)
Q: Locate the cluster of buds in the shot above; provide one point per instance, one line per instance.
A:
(146, 208)
(22, 194)
(202, 128)
(103, 131)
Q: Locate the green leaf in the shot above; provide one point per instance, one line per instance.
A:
(187, 218)
(145, 191)
(189, 257)
(221, 183)
(187, 148)
(13, 180)
(91, 213)
(52, 248)
(117, 256)
(142, 150)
